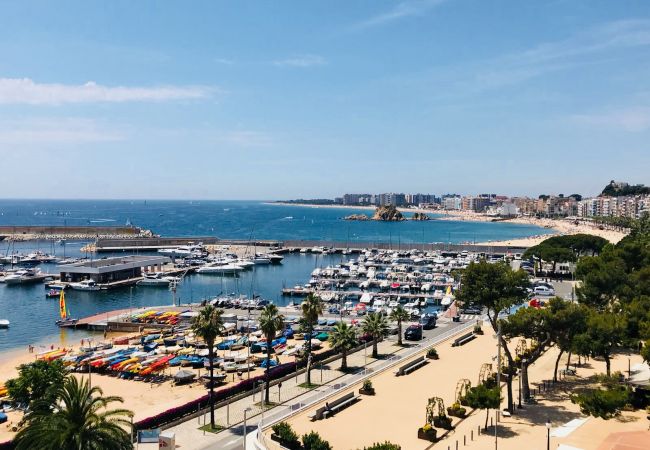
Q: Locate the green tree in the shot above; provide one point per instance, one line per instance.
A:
(399, 314)
(312, 307)
(343, 338)
(530, 323)
(605, 332)
(208, 325)
(313, 441)
(76, 420)
(566, 321)
(603, 403)
(603, 277)
(39, 380)
(376, 326)
(271, 321)
(497, 288)
(483, 397)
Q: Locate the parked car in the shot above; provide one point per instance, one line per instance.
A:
(544, 290)
(413, 333)
(471, 310)
(428, 322)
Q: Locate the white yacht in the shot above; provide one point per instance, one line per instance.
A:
(154, 279)
(220, 269)
(182, 251)
(4, 323)
(85, 285)
(275, 258)
(22, 276)
(261, 259)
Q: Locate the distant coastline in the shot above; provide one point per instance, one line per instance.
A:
(559, 226)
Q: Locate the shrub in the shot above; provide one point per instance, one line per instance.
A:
(285, 435)
(602, 403)
(383, 446)
(432, 353)
(478, 329)
(367, 385)
(313, 441)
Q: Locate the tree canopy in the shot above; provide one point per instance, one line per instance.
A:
(39, 380)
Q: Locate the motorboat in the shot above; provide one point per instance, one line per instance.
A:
(261, 259)
(275, 258)
(85, 285)
(4, 323)
(182, 251)
(219, 269)
(154, 279)
(23, 276)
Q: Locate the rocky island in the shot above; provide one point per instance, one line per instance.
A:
(382, 213)
(420, 216)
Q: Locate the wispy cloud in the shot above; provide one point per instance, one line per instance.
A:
(303, 61)
(599, 44)
(400, 11)
(636, 119)
(27, 91)
(55, 131)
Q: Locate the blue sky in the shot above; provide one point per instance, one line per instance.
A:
(287, 99)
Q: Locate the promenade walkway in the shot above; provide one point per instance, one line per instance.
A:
(292, 396)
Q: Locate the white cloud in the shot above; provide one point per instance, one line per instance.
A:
(55, 131)
(26, 91)
(402, 10)
(302, 61)
(631, 119)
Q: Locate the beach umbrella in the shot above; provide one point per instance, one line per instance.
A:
(184, 376)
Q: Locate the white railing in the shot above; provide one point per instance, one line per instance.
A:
(256, 440)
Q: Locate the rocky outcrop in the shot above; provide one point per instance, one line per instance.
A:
(388, 214)
(356, 217)
(420, 216)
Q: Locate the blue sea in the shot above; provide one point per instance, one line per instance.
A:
(251, 219)
(32, 316)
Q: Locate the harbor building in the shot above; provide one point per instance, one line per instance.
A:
(111, 270)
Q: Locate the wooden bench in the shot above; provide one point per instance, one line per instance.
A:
(330, 408)
(465, 338)
(406, 368)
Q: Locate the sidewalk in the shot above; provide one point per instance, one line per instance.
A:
(291, 395)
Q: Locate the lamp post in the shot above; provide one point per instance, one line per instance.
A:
(246, 411)
(548, 434)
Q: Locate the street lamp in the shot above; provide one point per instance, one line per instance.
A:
(548, 434)
(247, 410)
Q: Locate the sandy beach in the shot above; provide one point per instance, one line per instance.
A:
(559, 226)
(144, 399)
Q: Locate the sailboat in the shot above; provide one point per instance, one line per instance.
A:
(66, 320)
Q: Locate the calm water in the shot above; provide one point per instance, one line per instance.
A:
(237, 220)
(32, 316)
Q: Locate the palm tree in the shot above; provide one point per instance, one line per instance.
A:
(312, 307)
(376, 326)
(271, 321)
(208, 325)
(399, 314)
(77, 419)
(343, 338)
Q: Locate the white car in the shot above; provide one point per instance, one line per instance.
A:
(544, 290)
